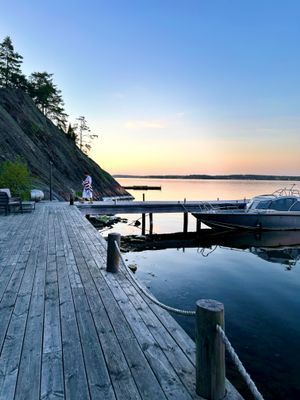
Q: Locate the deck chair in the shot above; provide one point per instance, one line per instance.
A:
(4, 202)
(14, 203)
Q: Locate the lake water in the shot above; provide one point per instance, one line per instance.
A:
(257, 280)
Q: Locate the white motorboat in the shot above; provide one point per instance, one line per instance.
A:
(277, 211)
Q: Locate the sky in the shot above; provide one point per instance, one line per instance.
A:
(172, 86)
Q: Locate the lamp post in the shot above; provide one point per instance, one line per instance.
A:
(50, 181)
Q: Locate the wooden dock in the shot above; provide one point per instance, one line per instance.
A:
(131, 207)
(70, 330)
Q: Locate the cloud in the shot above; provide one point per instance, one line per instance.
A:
(134, 125)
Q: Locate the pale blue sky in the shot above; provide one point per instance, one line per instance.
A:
(172, 86)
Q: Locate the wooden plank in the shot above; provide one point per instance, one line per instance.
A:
(10, 294)
(114, 287)
(29, 377)
(118, 369)
(164, 371)
(10, 355)
(184, 368)
(141, 330)
(75, 378)
(98, 377)
(99, 380)
(173, 328)
(10, 251)
(140, 369)
(52, 380)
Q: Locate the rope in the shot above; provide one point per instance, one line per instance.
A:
(228, 345)
(239, 365)
(153, 299)
(202, 251)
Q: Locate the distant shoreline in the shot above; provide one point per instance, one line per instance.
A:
(216, 177)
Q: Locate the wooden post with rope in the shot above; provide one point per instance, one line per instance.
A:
(113, 257)
(210, 350)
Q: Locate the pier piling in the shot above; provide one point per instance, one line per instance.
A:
(143, 224)
(113, 257)
(150, 223)
(198, 225)
(210, 351)
(185, 222)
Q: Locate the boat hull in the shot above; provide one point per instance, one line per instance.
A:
(251, 221)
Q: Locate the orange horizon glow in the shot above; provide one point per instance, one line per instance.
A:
(185, 157)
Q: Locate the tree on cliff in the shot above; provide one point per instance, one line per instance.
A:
(10, 66)
(71, 132)
(83, 136)
(47, 97)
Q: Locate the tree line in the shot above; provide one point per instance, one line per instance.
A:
(45, 94)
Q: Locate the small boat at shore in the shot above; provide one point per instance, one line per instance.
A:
(277, 211)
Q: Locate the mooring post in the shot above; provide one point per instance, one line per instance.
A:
(71, 198)
(150, 223)
(210, 351)
(143, 224)
(113, 257)
(198, 225)
(185, 222)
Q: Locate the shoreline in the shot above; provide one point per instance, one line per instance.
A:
(214, 177)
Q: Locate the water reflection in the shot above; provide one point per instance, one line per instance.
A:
(276, 246)
(281, 247)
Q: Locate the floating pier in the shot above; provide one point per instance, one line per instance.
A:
(142, 187)
(131, 207)
(71, 330)
(151, 207)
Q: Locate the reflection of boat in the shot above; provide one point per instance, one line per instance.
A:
(273, 246)
(262, 239)
(285, 256)
(281, 247)
(279, 211)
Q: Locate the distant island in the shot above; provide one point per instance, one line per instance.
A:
(223, 177)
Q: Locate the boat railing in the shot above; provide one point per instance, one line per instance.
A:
(292, 191)
(205, 207)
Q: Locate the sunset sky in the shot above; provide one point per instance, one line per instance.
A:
(189, 86)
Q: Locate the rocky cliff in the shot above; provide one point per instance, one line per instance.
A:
(26, 132)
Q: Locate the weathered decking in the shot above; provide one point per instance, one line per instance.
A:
(69, 330)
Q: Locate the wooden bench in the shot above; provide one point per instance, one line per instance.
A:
(4, 202)
(8, 204)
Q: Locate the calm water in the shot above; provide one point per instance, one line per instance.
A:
(258, 282)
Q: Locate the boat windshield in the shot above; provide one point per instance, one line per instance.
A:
(260, 203)
(282, 204)
(277, 204)
(296, 206)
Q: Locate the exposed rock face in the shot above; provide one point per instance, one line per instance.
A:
(26, 132)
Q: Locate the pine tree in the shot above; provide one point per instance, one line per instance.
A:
(71, 132)
(83, 135)
(48, 98)
(10, 65)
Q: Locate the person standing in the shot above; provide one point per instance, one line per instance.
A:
(87, 193)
